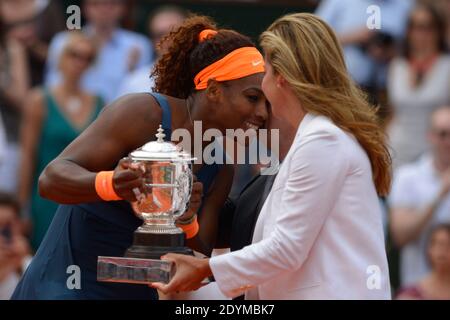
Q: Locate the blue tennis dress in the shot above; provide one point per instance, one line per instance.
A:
(79, 234)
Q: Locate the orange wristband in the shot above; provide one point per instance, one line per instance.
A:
(104, 186)
(191, 229)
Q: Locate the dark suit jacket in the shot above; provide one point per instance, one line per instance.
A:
(238, 216)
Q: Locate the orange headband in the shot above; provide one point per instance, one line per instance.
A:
(238, 64)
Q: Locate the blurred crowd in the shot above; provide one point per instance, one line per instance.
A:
(54, 82)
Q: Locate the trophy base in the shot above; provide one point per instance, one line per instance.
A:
(132, 270)
(142, 263)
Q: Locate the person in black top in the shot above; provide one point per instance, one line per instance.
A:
(239, 214)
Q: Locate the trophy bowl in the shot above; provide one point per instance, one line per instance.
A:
(167, 172)
(167, 189)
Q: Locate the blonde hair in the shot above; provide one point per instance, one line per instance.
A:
(74, 37)
(305, 51)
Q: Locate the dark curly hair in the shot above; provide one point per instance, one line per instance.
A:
(175, 71)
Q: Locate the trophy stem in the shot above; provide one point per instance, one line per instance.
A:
(164, 225)
(154, 241)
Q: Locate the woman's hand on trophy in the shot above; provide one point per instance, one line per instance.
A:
(128, 181)
(189, 275)
(195, 201)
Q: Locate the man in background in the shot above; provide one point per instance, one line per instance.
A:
(366, 51)
(420, 199)
(120, 51)
(160, 22)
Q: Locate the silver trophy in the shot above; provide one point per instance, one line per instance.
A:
(168, 180)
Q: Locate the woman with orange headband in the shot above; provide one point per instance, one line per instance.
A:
(208, 74)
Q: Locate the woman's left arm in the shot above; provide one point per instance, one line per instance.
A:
(209, 217)
(317, 173)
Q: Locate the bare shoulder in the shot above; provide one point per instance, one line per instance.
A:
(35, 103)
(132, 119)
(135, 105)
(135, 111)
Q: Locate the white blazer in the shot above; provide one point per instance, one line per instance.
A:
(319, 234)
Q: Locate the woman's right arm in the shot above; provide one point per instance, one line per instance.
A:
(125, 125)
(33, 116)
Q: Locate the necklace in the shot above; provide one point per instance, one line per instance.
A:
(421, 68)
(74, 105)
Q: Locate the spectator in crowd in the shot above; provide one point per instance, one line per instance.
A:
(14, 250)
(443, 6)
(420, 199)
(350, 19)
(53, 117)
(33, 23)
(419, 82)
(120, 52)
(163, 20)
(14, 84)
(2, 140)
(436, 284)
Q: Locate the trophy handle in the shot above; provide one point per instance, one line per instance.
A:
(184, 189)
